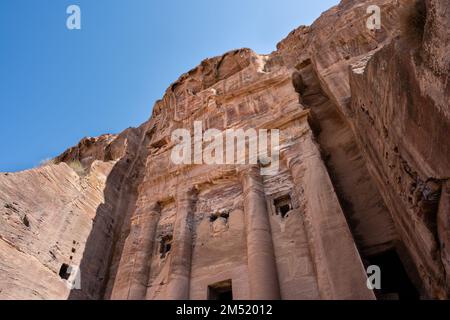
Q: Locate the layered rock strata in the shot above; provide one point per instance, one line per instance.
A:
(363, 119)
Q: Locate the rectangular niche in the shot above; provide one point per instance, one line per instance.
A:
(283, 205)
(222, 291)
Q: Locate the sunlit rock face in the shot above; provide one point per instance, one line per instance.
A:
(362, 178)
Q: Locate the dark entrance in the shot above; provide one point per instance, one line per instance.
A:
(64, 271)
(395, 283)
(283, 205)
(221, 291)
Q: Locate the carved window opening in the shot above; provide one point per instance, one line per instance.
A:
(283, 205)
(159, 144)
(165, 246)
(225, 215)
(221, 291)
(64, 271)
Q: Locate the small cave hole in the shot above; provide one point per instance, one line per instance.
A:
(64, 271)
(165, 245)
(215, 216)
(25, 221)
(283, 205)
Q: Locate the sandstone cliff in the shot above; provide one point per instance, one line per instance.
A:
(377, 108)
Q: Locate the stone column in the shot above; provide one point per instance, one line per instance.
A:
(134, 268)
(180, 255)
(263, 276)
(339, 269)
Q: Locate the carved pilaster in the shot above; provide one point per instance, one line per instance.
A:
(339, 269)
(263, 275)
(134, 268)
(180, 259)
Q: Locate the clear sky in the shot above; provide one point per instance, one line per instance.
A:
(58, 86)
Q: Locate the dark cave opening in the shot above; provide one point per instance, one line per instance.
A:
(64, 271)
(395, 282)
(283, 205)
(165, 245)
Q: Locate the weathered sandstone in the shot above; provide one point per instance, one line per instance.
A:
(364, 123)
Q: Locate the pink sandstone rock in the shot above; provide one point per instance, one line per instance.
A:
(363, 179)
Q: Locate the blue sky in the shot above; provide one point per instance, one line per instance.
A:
(58, 86)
